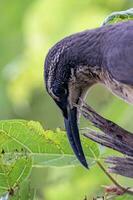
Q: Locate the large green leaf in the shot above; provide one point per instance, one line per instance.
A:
(24, 144)
(47, 148)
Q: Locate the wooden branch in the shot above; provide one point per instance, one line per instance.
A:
(112, 136)
(120, 165)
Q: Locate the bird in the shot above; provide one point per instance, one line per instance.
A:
(102, 55)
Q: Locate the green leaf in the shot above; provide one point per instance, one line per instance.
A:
(45, 147)
(116, 17)
(24, 192)
(11, 175)
(24, 144)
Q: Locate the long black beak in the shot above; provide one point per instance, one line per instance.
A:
(70, 119)
(73, 134)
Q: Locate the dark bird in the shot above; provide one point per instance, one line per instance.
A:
(102, 55)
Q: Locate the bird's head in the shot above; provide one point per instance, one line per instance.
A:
(59, 84)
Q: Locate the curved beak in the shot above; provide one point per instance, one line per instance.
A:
(73, 134)
(70, 120)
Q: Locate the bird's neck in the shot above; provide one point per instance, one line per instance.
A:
(84, 48)
(90, 52)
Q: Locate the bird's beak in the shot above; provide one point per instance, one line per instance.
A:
(73, 134)
(70, 119)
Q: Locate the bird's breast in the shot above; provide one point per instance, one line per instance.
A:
(84, 75)
(81, 79)
(124, 91)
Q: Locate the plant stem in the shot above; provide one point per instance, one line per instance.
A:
(125, 190)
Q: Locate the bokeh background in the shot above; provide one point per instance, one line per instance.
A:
(28, 29)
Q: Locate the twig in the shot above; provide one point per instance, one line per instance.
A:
(122, 166)
(110, 177)
(115, 137)
(123, 189)
(112, 135)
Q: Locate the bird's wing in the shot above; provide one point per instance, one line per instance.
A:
(119, 61)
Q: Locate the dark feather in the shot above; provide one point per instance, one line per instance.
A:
(118, 52)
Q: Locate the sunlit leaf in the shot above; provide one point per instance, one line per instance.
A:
(11, 175)
(47, 148)
(24, 191)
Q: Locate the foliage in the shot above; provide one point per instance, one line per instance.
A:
(28, 29)
(24, 144)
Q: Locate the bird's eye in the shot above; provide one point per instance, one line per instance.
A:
(63, 91)
(60, 91)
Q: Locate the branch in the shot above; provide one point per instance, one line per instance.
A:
(121, 166)
(112, 136)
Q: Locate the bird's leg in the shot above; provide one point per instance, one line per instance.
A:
(82, 97)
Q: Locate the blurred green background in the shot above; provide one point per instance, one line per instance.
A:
(28, 29)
